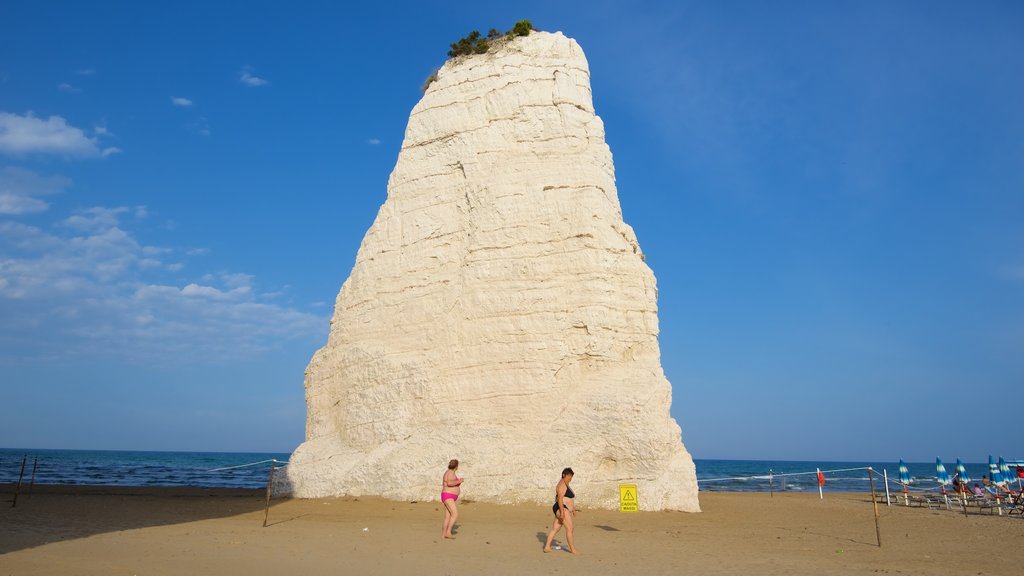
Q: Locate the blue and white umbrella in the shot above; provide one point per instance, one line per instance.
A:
(1004, 469)
(940, 473)
(943, 477)
(964, 478)
(905, 480)
(904, 473)
(994, 473)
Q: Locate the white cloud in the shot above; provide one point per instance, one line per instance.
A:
(201, 126)
(19, 190)
(30, 135)
(65, 87)
(179, 101)
(245, 76)
(97, 218)
(14, 204)
(155, 250)
(88, 287)
(373, 141)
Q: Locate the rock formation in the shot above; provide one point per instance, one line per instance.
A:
(499, 310)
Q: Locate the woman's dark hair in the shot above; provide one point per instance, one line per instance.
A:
(453, 464)
(568, 472)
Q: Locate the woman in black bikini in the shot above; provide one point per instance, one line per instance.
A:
(564, 512)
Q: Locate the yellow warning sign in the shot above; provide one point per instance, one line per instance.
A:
(628, 501)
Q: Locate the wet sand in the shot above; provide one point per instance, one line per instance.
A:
(146, 531)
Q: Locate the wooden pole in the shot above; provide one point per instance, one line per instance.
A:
(17, 490)
(270, 485)
(35, 461)
(771, 493)
(885, 476)
(874, 502)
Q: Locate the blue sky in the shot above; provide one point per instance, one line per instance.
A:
(830, 194)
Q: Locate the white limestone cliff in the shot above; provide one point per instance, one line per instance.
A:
(499, 310)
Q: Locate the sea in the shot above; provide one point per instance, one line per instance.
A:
(251, 470)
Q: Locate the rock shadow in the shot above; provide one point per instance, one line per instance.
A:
(58, 513)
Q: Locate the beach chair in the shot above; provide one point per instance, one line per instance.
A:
(927, 499)
(1015, 503)
(982, 503)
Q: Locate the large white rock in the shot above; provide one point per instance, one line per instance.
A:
(499, 311)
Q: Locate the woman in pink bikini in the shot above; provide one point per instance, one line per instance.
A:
(450, 488)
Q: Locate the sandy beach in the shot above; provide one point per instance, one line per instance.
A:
(144, 531)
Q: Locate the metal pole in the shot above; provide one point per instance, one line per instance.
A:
(20, 476)
(821, 493)
(885, 475)
(771, 493)
(270, 484)
(35, 461)
(874, 502)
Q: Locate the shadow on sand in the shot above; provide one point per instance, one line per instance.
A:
(60, 513)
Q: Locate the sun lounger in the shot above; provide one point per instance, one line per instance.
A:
(982, 503)
(1015, 503)
(930, 500)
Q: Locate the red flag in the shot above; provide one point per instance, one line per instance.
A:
(821, 479)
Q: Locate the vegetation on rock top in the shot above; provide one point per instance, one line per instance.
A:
(476, 43)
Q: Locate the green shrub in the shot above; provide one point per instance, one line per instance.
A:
(467, 45)
(430, 80)
(474, 43)
(522, 28)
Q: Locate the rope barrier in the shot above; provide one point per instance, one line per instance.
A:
(281, 464)
(894, 483)
(766, 476)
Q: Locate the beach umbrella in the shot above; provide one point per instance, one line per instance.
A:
(1004, 469)
(940, 473)
(962, 471)
(904, 473)
(943, 477)
(905, 480)
(994, 473)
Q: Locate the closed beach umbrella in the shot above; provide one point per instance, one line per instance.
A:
(943, 477)
(961, 488)
(905, 480)
(1004, 470)
(994, 473)
(940, 474)
(964, 478)
(904, 473)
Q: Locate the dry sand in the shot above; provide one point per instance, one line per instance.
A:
(145, 531)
